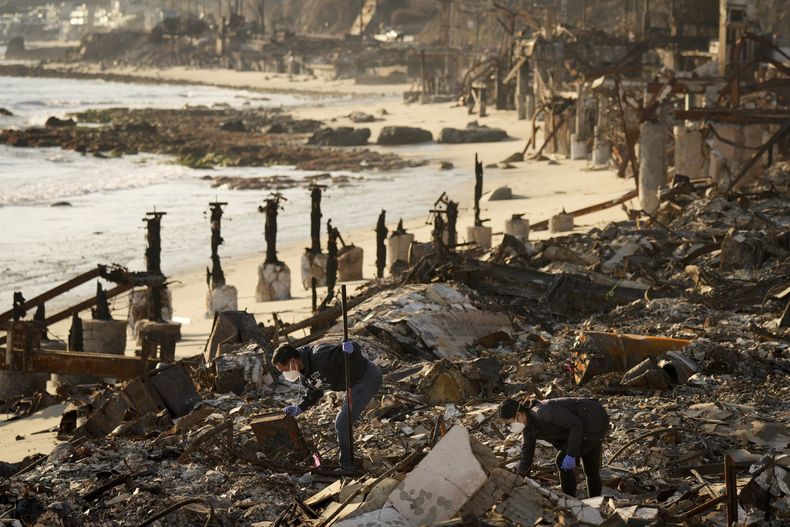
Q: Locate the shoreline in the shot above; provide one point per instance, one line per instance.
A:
(540, 189)
(283, 83)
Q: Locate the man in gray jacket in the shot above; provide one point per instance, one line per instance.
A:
(322, 367)
(575, 427)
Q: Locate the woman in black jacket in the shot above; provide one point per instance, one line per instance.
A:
(576, 427)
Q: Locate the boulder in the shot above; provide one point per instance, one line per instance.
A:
(403, 135)
(55, 122)
(473, 133)
(361, 117)
(513, 158)
(5, 112)
(234, 125)
(501, 194)
(343, 136)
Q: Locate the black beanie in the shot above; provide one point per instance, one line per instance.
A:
(509, 408)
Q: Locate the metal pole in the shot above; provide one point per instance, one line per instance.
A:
(731, 487)
(343, 305)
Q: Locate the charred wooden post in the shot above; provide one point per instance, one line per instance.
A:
(41, 316)
(314, 287)
(271, 209)
(313, 261)
(331, 262)
(478, 190)
(75, 333)
(501, 91)
(447, 218)
(153, 262)
(18, 311)
(438, 231)
(216, 275)
(155, 329)
(423, 78)
(478, 233)
(274, 277)
(315, 218)
(381, 248)
(452, 223)
(522, 89)
(221, 296)
(102, 311)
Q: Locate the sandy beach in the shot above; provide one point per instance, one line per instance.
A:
(541, 188)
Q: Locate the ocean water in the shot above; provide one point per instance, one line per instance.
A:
(42, 245)
(33, 100)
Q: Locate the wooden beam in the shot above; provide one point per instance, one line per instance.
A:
(543, 225)
(52, 293)
(321, 318)
(85, 304)
(68, 363)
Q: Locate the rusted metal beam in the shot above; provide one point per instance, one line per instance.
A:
(52, 293)
(65, 362)
(618, 352)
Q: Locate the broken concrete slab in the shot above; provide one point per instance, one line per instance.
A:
(442, 482)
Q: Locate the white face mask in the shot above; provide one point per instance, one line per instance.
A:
(291, 375)
(516, 427)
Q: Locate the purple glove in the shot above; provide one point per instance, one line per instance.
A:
(293, 411)
(348, 346)
(568, 463)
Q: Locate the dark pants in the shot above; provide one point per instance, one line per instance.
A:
(591, 453)
(361, 394)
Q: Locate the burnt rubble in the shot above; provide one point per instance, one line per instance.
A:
(452, 345)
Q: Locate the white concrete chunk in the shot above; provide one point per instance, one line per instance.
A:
(442, 483)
